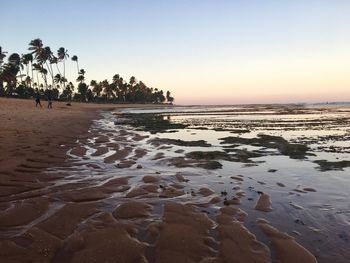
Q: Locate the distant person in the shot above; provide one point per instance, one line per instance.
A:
(37, 101)
(49, 102)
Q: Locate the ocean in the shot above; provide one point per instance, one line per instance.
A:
(298, 155)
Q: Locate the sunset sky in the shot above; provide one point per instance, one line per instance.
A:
(204, 52)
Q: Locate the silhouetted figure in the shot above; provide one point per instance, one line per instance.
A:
(49, 102)
(37, 100)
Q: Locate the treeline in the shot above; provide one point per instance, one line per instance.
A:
(43, 72)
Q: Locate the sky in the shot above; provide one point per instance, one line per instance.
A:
(203, 51)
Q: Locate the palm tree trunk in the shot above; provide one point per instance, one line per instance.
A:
(58, 69)
(27, 68)
(51, 72)
(37, 78)
(52, 77)
(64, 73)
(1, 88)
(20, 74)
(31, 67)
(45, 80)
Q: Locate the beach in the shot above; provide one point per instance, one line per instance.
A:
(185, 132)
(94, 183)
(34, 139)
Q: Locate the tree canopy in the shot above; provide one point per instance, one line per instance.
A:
(42, 72)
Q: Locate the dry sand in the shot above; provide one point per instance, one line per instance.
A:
(41, 221)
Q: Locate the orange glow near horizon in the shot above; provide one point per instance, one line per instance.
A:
(270, 80)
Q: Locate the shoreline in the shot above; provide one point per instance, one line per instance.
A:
(35, 139)
(25, 127)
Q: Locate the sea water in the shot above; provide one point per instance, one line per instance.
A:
(309, 199)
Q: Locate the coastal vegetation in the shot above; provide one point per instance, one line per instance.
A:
(43, 72)
(178, 142)
(152, 123)
(293, 150)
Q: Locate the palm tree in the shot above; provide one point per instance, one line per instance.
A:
(169, 98)
(93, 83)
(117, 86)
(123, 89)
(48, 56)
(64, 81)
(82, 89)
(58, 78)
(70, 86)
(42, 55)
(167, 95)
(75, 58)
(142, 86)
(28, 81)
(132, 80)
(54, 60)
(131, 91)
(82, 72)
(8, 74)
(107, 89)
(81, 77)
(26, 60)
(62, 55)
(96, 88)
(116, 78)
(114, 89)
(15, 59)
(37, 68)
(43, 72)
(67, 92)
(36, 46)
(2, 55)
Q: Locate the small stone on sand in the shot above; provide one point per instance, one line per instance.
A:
(264, 203)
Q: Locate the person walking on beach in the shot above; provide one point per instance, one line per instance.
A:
(37, 100)
(49, 102)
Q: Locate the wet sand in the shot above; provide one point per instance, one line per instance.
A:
(62, 208)
(38, 215)
(34, 139)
